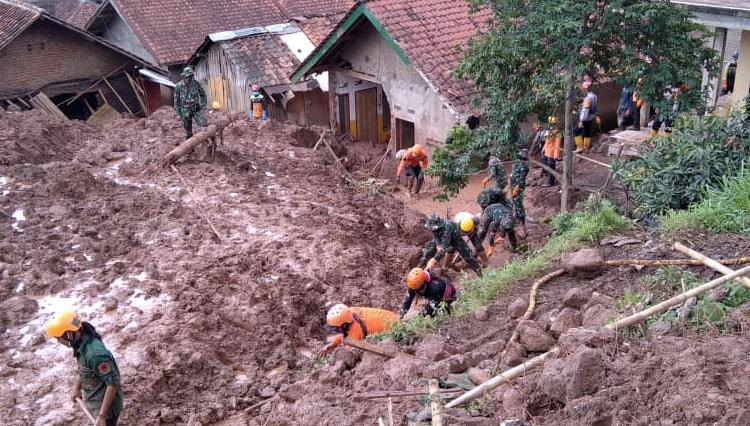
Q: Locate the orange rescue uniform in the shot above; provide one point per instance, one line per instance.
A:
(412, 158)
(553, 145)
(375, 320)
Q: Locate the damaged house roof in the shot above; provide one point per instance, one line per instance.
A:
(172, 30)
(425, 33)
(75, 12)
(15, 17)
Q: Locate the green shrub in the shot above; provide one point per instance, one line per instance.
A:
(725, 208)
(678, 169)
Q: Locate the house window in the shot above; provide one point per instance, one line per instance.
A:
(404, 134)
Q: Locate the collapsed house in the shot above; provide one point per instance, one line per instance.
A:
(390, 65)
(49, 64)
(229, 63)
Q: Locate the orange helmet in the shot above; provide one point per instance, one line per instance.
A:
(66, 321)
(339, 315)
(416, 278)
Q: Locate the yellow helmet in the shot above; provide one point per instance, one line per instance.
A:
(215, 105)
(416, 278)
(339, 315)
(467, 225)
(66, 321)
(552, 119)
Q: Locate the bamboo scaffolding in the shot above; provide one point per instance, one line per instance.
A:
(520, 370)
(655, 262)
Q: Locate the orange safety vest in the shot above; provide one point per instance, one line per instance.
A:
(375, 321)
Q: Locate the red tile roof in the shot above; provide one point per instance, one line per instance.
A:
(75, 12)
(317, 28)
(312, 8)
(429, 32)
(15, 17)
(264, 59)
(173, 29)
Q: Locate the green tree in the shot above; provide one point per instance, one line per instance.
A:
(533, 55)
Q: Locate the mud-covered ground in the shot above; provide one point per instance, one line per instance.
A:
(204, 326)
(201, 327)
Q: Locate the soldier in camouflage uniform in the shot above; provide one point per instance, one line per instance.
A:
(446, 238)
(490, 196)
(497, 217)
(518, 185)
(189, 99)
(497, 172)
(99, 377)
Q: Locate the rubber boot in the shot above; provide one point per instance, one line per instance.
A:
(579, 144)
(654, 132)
(586, 145)
(667, 132)
(418, 185)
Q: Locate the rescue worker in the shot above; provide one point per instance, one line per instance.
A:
(625, 106)
(467, 223)
(436, 291)
(498, 219)
(356, 323)
(99, 377)
(637, 103)
(586, 117)
(490, 196)
(412, 164)
(552, 152)
(671, 95)
(189, 100)
(446, 238)
(258, 103)
(729, 74)
(497, 172)
(518, 184)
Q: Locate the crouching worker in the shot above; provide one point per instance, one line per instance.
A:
(412, 164)
(467, 223)
(99, 377)
(498, 219)
(356, 323)
(435, 291)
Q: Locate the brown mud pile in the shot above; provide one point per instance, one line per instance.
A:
(201, 329)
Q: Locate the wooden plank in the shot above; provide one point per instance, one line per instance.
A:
(42, 102)
(105, 114)
(118, 97)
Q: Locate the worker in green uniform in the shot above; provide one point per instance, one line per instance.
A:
(497, 172)
(99, 377)
(446, 238)
(497, 219)
(490, 196)
(189, 99)
(518, 186)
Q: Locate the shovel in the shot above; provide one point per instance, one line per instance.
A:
(85, 410)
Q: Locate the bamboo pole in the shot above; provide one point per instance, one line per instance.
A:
(532, 304)
(593, 161)
(138, 95)
(187, 187)
(369, 347)
(716, 266)
(380, 421)
(403, 394)
(435, 405)
(390, 411)
(260, 404)
(83, 92)
(650, 262)
(520, 370)
(118, 97)
(320, 139)
(86, 410)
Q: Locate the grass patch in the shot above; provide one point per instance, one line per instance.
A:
(725, 208)
(573, 230)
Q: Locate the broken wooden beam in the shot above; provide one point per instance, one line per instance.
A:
(369, 347)
(186, 147)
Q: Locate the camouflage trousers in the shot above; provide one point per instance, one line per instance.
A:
(518, 210)
(187, 123)
(463, 249)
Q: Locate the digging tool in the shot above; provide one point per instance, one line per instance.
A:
(522, 369)
(86, 410)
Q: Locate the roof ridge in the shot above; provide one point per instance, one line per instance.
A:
(26, 6)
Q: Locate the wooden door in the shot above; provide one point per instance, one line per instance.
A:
(344, 115)
(366, 103)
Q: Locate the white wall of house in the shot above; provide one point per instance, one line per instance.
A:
(411, 97)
